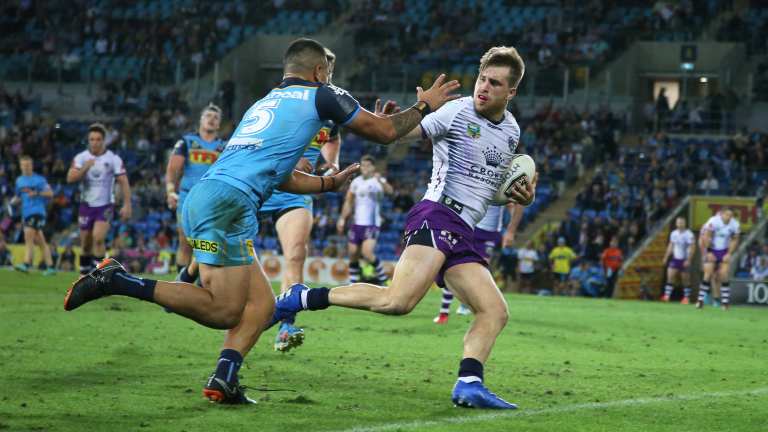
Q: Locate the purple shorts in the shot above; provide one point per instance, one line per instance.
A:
(360, 233)
(433, 224)
(677, 264)
(486, 242)
(89, 215)
(719, 254)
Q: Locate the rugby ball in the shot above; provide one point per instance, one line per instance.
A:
(521, 171)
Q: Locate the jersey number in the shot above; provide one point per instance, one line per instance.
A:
(261, 117)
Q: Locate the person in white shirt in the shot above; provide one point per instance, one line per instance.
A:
(96, 169)
(474, 139)
(759, 271)
(718, 240)
(526, 267)
(682, 246)
(364, 196)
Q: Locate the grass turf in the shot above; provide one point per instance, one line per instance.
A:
(571, 364)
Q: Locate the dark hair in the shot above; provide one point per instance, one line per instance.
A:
(98, 127)
(303, 55)
(25, 157)
(330, 56)
(368, 158)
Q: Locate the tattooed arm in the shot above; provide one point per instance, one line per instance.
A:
(390, 128)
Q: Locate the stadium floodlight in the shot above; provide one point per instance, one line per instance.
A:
(686, 66)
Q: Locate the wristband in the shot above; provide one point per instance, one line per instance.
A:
(424, 110)
(170, 188)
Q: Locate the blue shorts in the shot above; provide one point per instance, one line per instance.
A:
(280, 202)
(220, 223)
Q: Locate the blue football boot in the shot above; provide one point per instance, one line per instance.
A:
(476, 395)
(288, 337)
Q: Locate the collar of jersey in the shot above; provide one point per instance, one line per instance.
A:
(298, 82)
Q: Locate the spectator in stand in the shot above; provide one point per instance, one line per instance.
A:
(662, 109)
(759, 271)
(526, 267)
(709, 185)
(612, 259)
(586, 279)
(560, 259)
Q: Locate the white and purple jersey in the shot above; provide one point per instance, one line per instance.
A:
(492, 221)
(368, 194)
(681, 241)
(722, 233)
(97, 187)
(471, 154)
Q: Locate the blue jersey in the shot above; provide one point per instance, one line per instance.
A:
(275, 132)
(32, 205)
(280, 200)
(199, 155)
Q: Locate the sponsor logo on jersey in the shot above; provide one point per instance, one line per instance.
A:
(205, 157)
(288, 94)
(473, 130)
(204, 245)
(493, 157)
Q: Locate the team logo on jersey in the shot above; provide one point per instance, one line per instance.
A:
(322, 137)
(448, 237)
(493, 157)
(512, 144)
(473, 130)
(195, 145)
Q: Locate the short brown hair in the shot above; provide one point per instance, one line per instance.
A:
(368, 158)
(25, 157)
(98, 127)
(330, 56)
(505, 56)
(211, 107)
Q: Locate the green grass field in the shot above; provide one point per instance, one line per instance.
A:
(571, 365)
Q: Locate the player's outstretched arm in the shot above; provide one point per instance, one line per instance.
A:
(387, 129)
(346, 211)
(302, 183)
(75, 174)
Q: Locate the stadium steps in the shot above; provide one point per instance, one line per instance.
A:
(555, 212)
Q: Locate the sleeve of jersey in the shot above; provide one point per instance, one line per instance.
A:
(436, 124)
(180, 148)
(336, 104)
(77, 162)
(119, 168)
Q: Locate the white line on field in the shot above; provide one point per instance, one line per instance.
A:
(497, 415)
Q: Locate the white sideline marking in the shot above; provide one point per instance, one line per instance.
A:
(496, 415)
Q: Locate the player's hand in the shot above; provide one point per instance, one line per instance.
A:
(340, 179)
(172, 200)
(125, 212)
(525, 195)
(340, 226)
(329, 169)
(687, 263)
(304, 165)
(440, 93)
(88, 164)
(390, 107)
(508, 239)
(727, 258)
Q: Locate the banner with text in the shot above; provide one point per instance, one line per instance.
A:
(702, 208)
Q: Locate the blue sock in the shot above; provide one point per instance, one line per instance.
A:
(184, 276)
(469, 369)
(228, 365)
(132, 286)
(317, 299)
